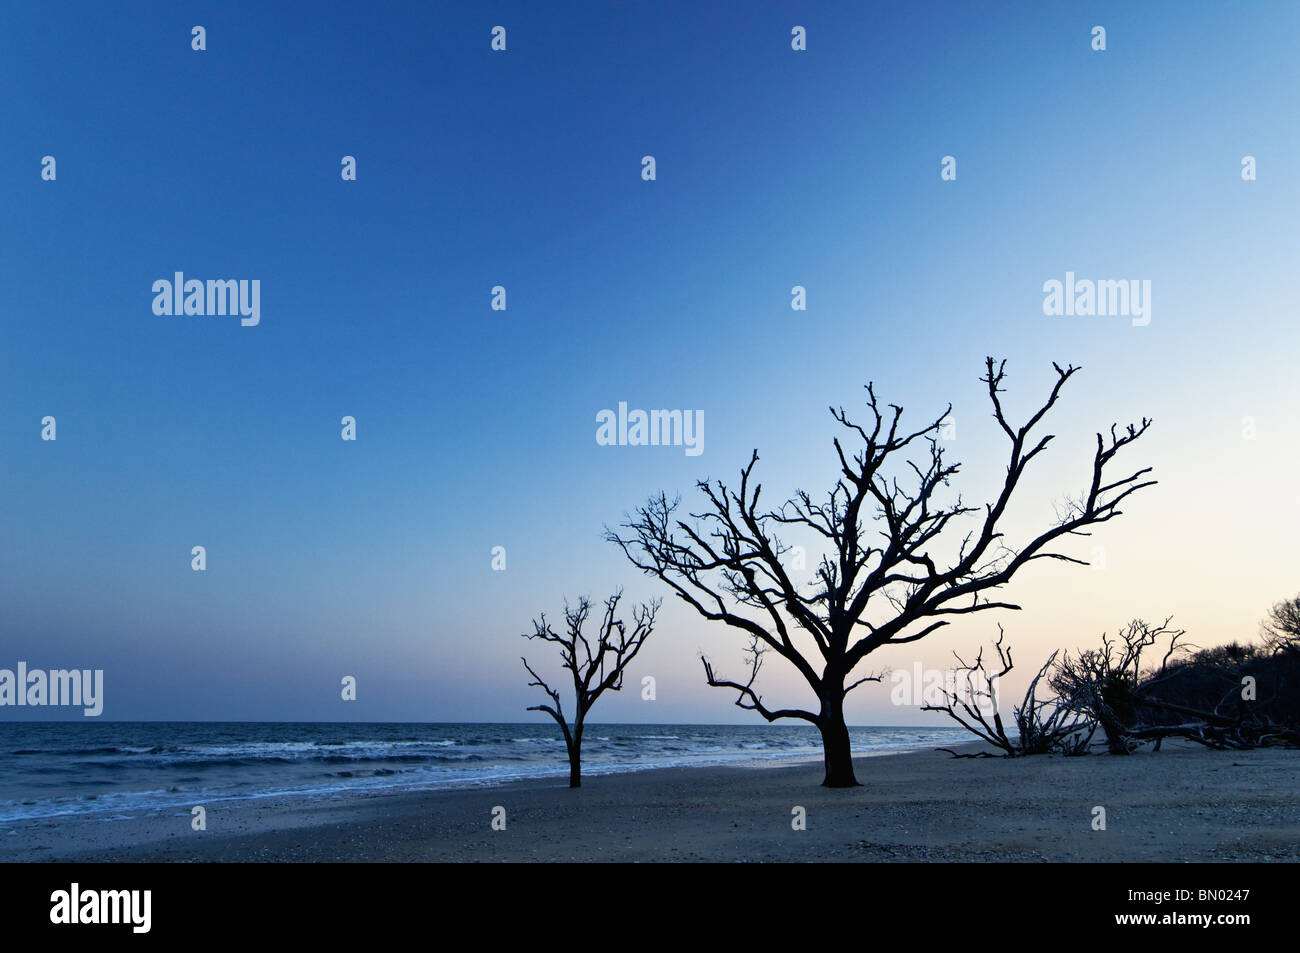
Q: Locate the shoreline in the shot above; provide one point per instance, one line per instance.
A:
(288, 803)
(1182, 803)
(158, 799)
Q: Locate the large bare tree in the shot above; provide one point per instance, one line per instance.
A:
(594, 670)
(881, 579)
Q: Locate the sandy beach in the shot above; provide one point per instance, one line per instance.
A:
(1179, 804)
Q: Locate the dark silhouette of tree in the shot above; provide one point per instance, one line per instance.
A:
(1043, 726)
(1228, 697)
(882, 525)
(594, 670)
(1281, 628)
(1107, 684)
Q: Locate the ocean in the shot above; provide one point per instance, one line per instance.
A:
(114, 769)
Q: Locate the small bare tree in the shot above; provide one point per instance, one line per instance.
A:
(1047, 725)
(1043, 725)
(1281, 629)
(886, 576)
(1106, 684)
(594, 670)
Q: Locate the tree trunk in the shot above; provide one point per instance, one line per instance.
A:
(575, 768)
(575, 758)
(1116, 714)
(836, 747)
(1116, 737)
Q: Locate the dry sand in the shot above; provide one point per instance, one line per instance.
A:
(1182, 803)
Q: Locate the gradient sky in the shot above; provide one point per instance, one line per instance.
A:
(476, 428)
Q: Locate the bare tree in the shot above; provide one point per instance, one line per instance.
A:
(1047, 725)
(1281, 629)
(729, 564)
(1227, 697)
(972, 701)
(1107, 684)
(593, 670)
(1043, 725)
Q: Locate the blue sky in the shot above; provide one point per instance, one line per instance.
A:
(476, 427)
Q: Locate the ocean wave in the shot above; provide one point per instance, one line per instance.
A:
(137, 772)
